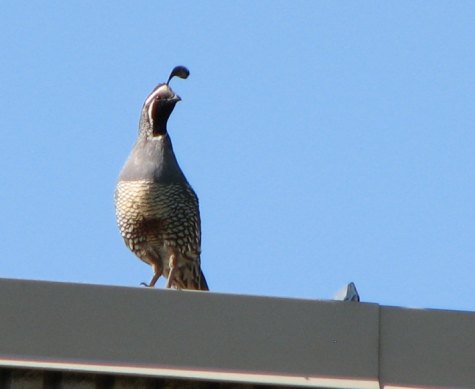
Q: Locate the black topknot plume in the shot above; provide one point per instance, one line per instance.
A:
(179, 71)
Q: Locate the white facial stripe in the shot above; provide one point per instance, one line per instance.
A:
(150, 117)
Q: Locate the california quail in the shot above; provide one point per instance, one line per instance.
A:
(157, 210)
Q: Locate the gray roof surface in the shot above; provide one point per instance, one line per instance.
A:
(168, 334)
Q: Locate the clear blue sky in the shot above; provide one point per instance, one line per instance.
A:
(328, 142)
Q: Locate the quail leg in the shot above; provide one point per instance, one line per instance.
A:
(157, 272)
(171, 274)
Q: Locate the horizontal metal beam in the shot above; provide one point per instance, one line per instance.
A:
(230, 338)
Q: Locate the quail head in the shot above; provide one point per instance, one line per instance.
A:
(157, 210)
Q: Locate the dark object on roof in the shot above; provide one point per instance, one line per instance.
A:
(348, 293)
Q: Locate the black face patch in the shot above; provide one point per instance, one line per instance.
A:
(159, 112)
(154, 110)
